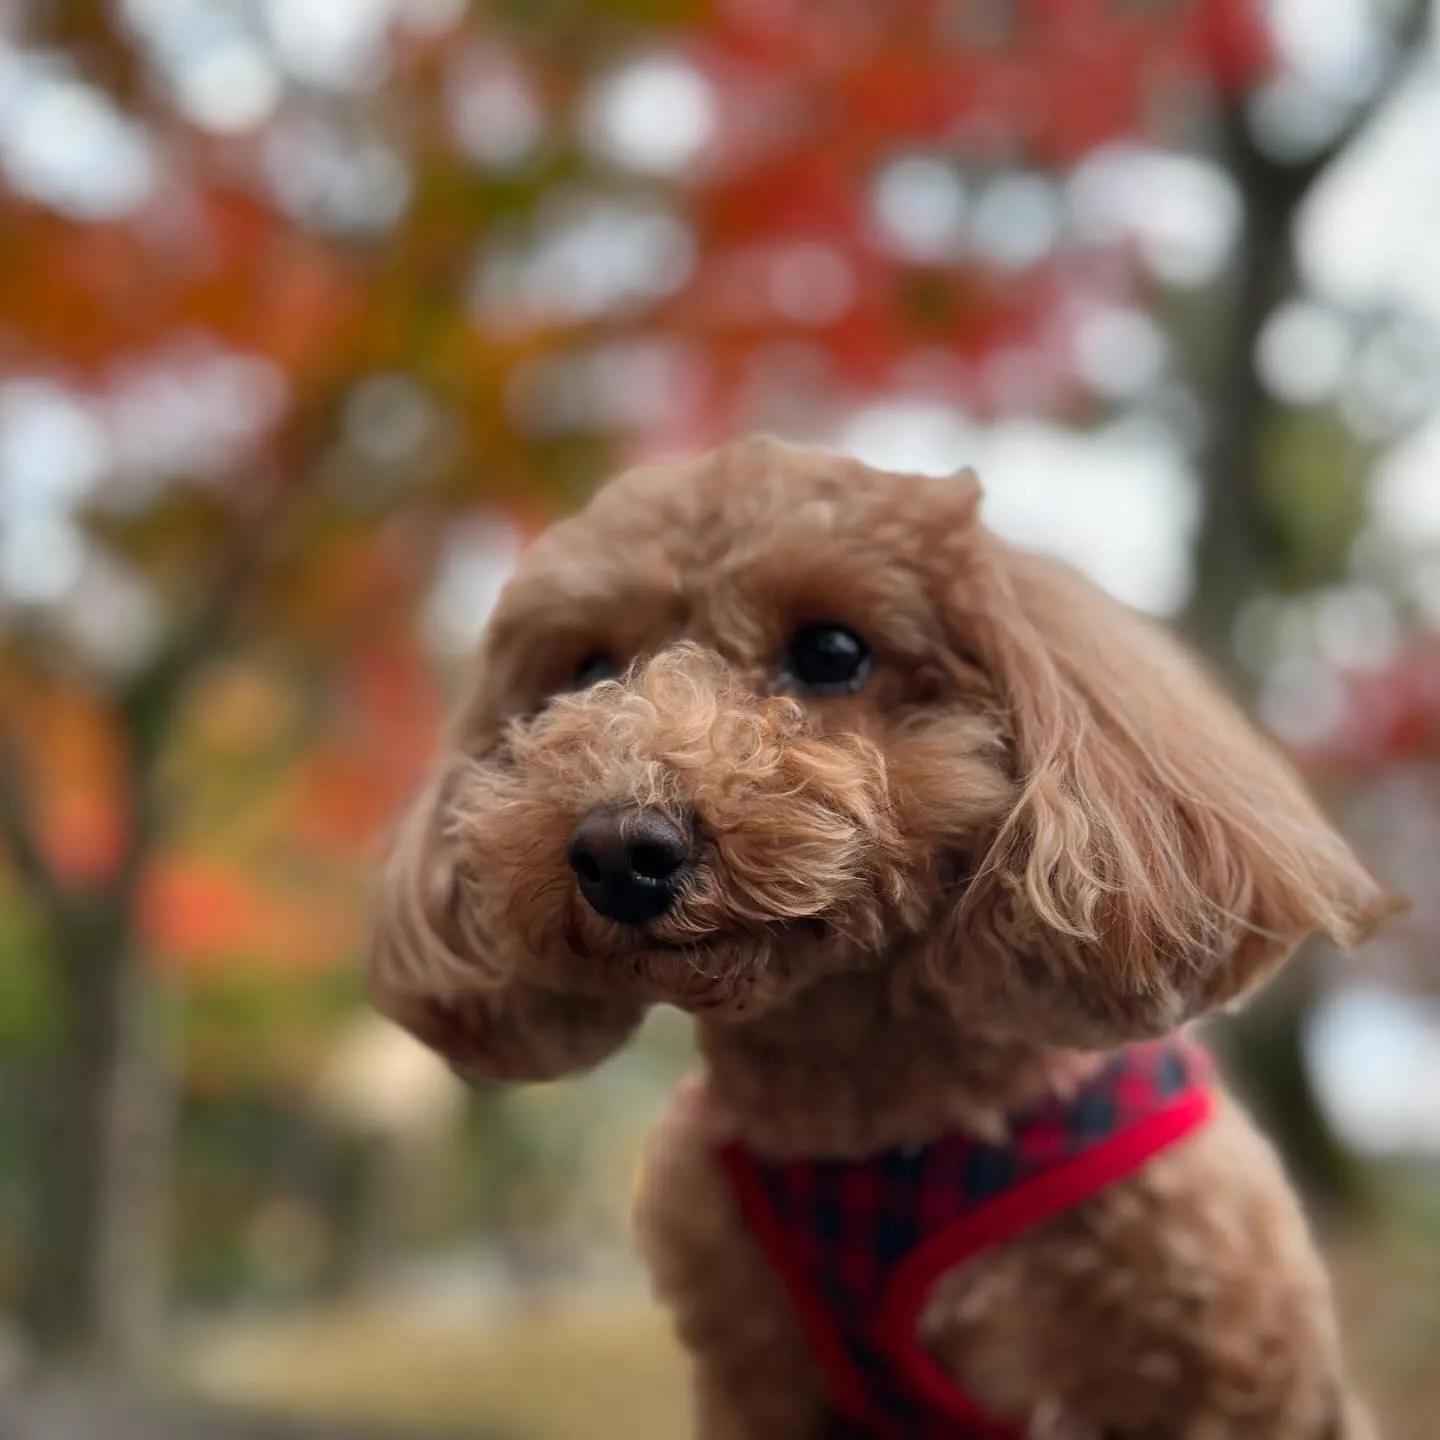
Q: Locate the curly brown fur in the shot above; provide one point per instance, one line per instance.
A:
(1037, 831)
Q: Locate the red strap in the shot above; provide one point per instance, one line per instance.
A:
(827, 1345)
(1032, 1203)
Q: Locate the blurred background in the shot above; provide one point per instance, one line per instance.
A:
(313, 311)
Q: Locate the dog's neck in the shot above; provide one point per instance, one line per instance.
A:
(847, 1069)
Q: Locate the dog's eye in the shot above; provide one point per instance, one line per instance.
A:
(593, 669)
(826, 660)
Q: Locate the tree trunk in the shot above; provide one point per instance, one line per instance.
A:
(97, 1282)
(133, 1284)
(1266, 1050)
(1234, 556)
(98, 1278)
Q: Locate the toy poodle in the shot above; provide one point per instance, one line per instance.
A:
(942, 849)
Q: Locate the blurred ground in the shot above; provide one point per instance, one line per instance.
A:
(1390, 1301)
(597, 1367)
(604, 1365)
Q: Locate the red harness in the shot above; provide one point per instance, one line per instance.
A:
(860, 1245)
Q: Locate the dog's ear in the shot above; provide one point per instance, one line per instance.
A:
(1162, 858)
(426, 946)
(433, 972)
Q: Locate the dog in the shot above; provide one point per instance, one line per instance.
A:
(944, 851)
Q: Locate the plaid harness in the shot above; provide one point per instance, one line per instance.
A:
(860, 1245)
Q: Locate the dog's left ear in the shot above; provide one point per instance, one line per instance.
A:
(426, 945)
(1161, 859)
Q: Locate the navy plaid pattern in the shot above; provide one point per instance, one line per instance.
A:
(846, 1226)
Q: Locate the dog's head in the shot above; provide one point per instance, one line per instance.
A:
(769, 715)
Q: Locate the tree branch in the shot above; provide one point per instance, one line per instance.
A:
(271, 525)
(148, 695)
(18, 834)
(92, 33)
(1296, 178)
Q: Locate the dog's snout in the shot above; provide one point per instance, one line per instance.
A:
(629, 863)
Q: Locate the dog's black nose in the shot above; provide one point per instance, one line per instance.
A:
(630, 863)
